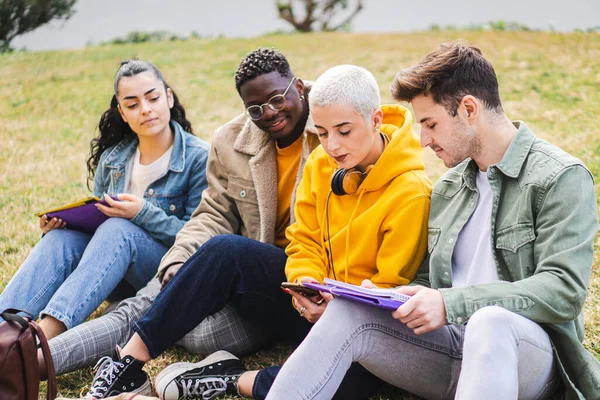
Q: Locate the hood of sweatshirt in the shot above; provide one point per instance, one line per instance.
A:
(403, 152)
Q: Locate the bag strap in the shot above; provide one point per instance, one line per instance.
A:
(52, 391)
(10, 314)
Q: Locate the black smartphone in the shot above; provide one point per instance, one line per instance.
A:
(300, 288)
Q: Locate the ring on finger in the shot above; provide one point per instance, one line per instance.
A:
(301, 311)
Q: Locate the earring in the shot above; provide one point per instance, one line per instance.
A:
(302, 97)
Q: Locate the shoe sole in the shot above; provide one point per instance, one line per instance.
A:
(145, 389)
(174, 370)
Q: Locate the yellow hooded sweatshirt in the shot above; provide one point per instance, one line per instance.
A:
(379, 233)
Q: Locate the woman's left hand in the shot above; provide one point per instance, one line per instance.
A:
(127, 208)
(306, 307)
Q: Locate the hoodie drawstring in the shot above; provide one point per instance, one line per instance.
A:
(325, 223)
(348, 233)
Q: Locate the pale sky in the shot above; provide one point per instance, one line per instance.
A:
(101, 20)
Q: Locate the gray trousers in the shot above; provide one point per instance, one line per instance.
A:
(83, 345)
(497, 355)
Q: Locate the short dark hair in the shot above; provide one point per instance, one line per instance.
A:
(449, 73)
(259, 62)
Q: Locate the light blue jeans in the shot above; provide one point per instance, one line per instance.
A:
(68, 274)
(497, 355)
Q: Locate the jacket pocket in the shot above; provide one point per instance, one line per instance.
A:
(432, 238)
(448, 186)
(242, 191)
(246, 201)
(515, 244)
(172, 204)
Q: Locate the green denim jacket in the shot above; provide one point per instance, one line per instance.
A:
(544, 221)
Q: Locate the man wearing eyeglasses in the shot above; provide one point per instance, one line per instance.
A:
(229, 257)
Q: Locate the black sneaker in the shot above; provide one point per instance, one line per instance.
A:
(114, 377)
(216, 375)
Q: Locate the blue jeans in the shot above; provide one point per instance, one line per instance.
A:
(68, 274)
(232, 269)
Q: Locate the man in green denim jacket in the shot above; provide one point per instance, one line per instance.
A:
(544, 219)
(496, 309)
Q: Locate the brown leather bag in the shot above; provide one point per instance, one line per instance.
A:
(19, 370)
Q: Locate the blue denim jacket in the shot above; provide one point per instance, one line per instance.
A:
(544, 221)
(170, 200)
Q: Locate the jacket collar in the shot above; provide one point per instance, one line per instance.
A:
(125, 149)
(513, 160)
(511, 163)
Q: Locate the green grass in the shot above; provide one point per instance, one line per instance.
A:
(50, 103)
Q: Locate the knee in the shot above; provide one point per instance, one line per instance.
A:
(223, 248)
(224, 243)
(489, 324)
(59, 238)
(116, 227)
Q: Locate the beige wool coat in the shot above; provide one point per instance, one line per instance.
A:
(241, 197)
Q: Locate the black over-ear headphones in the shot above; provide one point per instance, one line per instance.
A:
(347, 181)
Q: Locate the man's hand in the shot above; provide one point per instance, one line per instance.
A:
(127, 208)
(424, 312)
(169, 274)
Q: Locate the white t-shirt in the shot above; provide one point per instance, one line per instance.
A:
(141, 176)
(472, 260)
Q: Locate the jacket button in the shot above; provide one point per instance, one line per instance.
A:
(459, 320)
(172, 207)
(150, 192)
(243, 194)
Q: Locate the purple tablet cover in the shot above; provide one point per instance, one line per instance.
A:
(384, 302)
(381, 302)
(86, 218)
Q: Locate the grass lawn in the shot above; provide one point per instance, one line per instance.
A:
(50, 103)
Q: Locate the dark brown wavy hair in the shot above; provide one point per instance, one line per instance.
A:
(112, 129)
(448, 74)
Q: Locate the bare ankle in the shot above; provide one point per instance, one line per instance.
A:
(135, 348)
(51, 327)
(246, 383)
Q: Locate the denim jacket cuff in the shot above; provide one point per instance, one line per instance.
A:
(457, 302)
(142, 217)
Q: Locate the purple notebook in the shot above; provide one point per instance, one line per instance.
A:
(86, 218)
(383, 298)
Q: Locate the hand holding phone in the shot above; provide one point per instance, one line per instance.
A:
(312, 294)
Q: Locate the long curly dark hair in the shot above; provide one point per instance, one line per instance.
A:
(112, 129)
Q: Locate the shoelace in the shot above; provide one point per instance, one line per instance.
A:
(207, 387)
(106, 371)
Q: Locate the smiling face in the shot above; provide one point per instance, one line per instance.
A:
(258, 91)
(452, 139)
(347, 137)
(145, 105)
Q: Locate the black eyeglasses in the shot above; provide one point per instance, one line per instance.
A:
(275, 103)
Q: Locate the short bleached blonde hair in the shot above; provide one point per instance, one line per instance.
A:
(346, 85)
